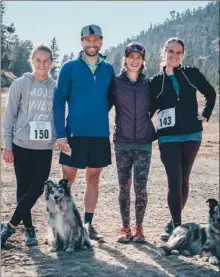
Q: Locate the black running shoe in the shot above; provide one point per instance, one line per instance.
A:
(93, 234)
(168, 230)
(6, 232)
(30, 238)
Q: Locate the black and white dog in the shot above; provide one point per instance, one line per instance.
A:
(64, 218)
(192, 239)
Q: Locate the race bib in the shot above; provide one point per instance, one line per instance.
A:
(166, 118)
(40, 130)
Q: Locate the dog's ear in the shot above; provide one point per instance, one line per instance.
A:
(67, 189)
(212, 203)
(64, 181)
(48, 183)
(66, 186)
(47, 186)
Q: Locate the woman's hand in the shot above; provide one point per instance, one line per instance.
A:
(8, 156)
(202, 118)
(63, 145)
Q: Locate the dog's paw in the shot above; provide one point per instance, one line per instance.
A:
(213, 260)
(186, 253)
(202, 258)
(198, 257)
(70, 249)
(175, 252)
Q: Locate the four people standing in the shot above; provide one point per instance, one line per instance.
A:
(89, 87)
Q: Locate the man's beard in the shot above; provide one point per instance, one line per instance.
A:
(91, 55)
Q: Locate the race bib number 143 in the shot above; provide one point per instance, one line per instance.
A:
(40, 130)
(166, 118)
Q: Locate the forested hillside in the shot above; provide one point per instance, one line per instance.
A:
(199, 28)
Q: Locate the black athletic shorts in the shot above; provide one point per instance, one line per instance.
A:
(91, 152)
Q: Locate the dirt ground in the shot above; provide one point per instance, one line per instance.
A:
(112, 259)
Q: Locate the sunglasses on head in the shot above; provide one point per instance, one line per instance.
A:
(135, 47)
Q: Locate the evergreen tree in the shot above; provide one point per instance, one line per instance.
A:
(117, 63)
(71, 57)
(6, 34)
(20, 58)
(55, 50)
(199, 31)
(65, 59)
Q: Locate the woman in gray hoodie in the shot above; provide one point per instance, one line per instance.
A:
(29, 135)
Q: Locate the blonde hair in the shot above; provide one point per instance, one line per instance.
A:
(164, 49)
(41, 47)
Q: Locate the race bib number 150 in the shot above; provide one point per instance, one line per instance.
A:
(166, 118)
(40, 130)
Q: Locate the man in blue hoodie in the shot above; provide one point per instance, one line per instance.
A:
(84, 140)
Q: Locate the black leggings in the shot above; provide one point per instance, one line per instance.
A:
(178, 159)
(32, 168)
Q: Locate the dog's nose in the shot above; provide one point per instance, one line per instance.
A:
(56, 197)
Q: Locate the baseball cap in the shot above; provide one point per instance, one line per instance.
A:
(91, 30)
(134, 47)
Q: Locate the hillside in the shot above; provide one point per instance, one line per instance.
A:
(199, 29)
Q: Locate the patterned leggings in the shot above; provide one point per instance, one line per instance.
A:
(140, 160)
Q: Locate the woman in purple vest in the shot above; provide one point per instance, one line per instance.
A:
(134, 133)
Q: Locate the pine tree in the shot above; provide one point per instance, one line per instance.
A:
(65, 59)
(71, 57)
(199, 31)
(6, 34)
(117, 63)
(21, 52)
(55, 50)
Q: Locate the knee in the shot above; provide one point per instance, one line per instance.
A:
(141, 194)
(93, 175)
(185, 182)
(69, 173)
(174, 185)
(124, 195)
(175, 193)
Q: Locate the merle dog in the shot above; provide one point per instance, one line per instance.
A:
(64, 218)
(192, 239)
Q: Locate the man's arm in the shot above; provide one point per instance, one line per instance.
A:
(111, 94)
(62, 91)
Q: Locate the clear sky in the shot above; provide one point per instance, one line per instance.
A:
(40, 21)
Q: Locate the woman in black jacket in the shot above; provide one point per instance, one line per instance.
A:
(179, 125)
(133, 137)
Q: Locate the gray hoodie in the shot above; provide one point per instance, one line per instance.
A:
(29, 100)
